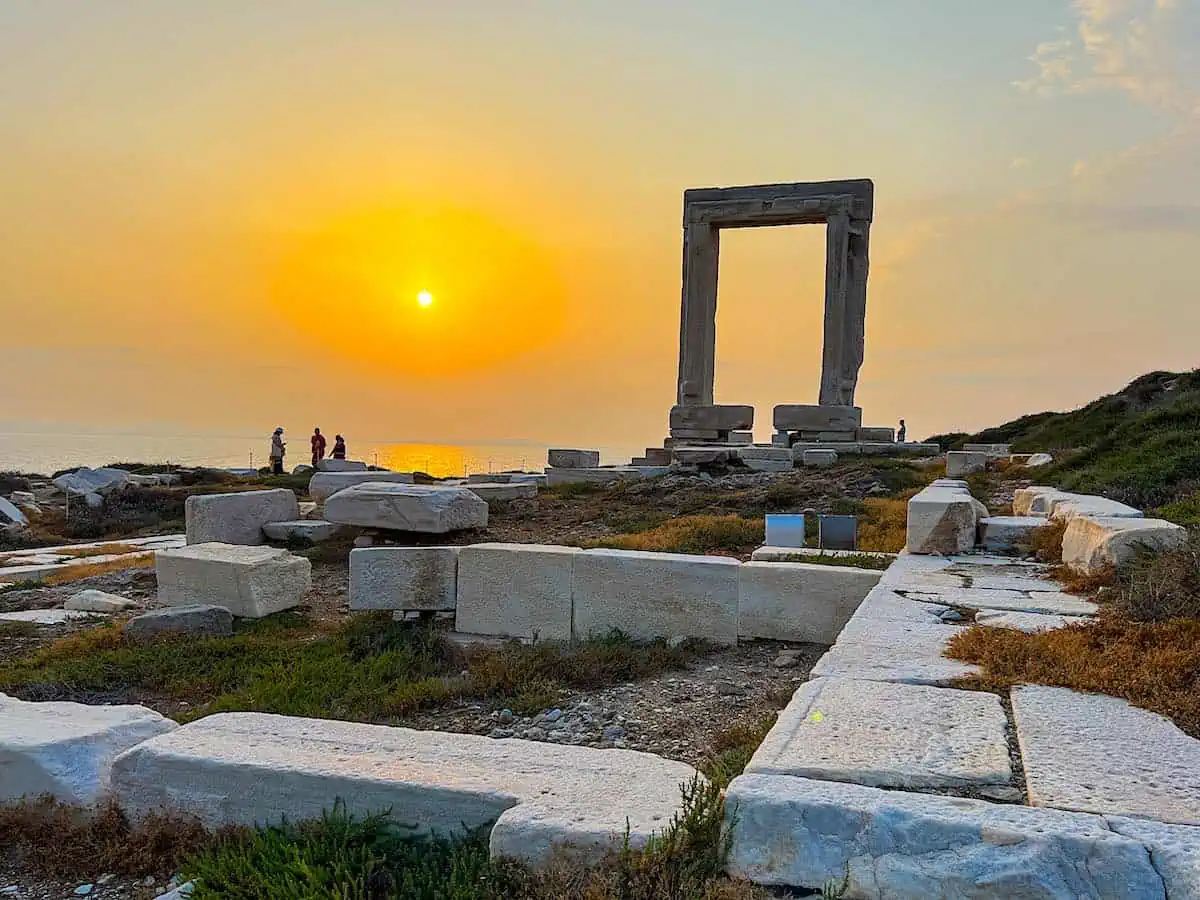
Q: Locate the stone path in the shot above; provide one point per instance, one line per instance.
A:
(851, 782)
(35, 564)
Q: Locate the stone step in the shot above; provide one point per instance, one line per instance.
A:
(253, 768)
(903, 846)
(1092, 753)
(888, 735)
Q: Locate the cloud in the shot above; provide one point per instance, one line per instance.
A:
(1021, 162)
(1173, 217)
(1121, 45)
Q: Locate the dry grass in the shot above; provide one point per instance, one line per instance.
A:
(75, 843)
(883, 523)
(102, 550)
(1154, 666)
(88, 570)
(727, 535)
(1159, 587)
(1045, 543)
(1084, 584)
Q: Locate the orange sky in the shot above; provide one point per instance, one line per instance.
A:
(220, 215)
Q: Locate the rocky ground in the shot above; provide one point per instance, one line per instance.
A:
(19, 884)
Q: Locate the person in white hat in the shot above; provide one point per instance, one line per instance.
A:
(278, 448)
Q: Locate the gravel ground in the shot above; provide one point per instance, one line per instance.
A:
(22, 885)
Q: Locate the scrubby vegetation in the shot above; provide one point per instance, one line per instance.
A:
(367, 668)
(1140, 445)
(693, 534)
(342, 857)
(1144, 646)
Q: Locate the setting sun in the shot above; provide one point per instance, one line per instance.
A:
(425, 298)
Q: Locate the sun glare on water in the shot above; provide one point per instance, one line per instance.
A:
(425, 299)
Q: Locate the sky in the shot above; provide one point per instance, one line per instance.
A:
(219, 215)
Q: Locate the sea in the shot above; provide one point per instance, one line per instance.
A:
(45, 450)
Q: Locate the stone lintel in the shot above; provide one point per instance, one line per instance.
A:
(784, 211)
(860, 190)
(715, 418)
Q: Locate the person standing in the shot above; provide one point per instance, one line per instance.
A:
(318, 446)
(902, 433)
(339, 447)
(278, 448)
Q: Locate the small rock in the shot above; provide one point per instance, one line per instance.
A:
(676, 642)
(728, 689)
(552, 716)
(194, 618)
(84, 889)
(783, 661)
(558, 735)
(506, 717)
(613, 732)
(11, 889)
(364, 540)
(500, 733)
(951, 615)
(105, 879)
(535, 734)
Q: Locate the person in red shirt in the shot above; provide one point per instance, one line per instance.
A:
(318, 446)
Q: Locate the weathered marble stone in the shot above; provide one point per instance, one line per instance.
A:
(701, 456)
(1000, 534)
(1090, 544)
(893, 845)
(941, 519)
(495, 491)
(1068, 506)
(1037, 460)
(609, 475)
(1023, 621)
(102, 481)
(515, 590)
(324, 485)
(876, 435)
(407, 507)
(888, 650)
(819, 459)
(11, 515)
(888, 735)
(1035, 500)
(192, 618)
(251, 582)
(655, 595)
(98, 601)
(961, 462)
(574, 459)
(1174, 852)
(1048, 602)
(709, 417)
(1091, 753)
(315, 531)
(799, 601)
(66, 749)
(341, 465)
(801, 417)
(274, 767)
(237, 518)
(404, 578)
(46, 616)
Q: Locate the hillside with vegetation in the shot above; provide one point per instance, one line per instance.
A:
(1140, 445)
